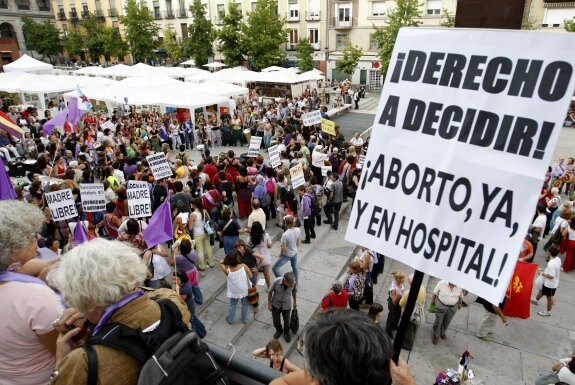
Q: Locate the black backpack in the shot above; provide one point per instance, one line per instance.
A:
(169, 354)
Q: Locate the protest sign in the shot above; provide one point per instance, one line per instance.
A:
(139, 204)
(159, 165)
(297, 178)
(465, 131)
(360, 161)
(108, 125)
(255, 143)
(324, 170)
(92, 195)
(328, 126)
(274, 156)
(61, 204)
(311, 118)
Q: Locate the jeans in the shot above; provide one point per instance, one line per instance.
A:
(189, 140)
(232, 309)
(267, 140)
(176, 141)
(229, 243)
(203, 248)
(198, 296)
(216, 137)
(282, 260)
(308, 226)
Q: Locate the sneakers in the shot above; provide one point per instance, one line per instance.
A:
(306, 241)
(544, 313)
(534, 301)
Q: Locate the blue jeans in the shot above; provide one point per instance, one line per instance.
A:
(198, 296)
(283, 259)
(232, 309)
(189, 140)
(229, 243)
(267, 140)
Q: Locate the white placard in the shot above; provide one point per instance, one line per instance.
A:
(297, 178)
(274, 156)
(159, 166)
(108, 125)
(92, 195)
(360, 161)
(325, 170)
(139, 204)
(255, 143)
(311, 118)
(466, 128)
(61, 204)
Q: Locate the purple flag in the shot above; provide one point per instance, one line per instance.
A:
(6, 188)
(57, 120)
(74, 113)
(79, 234)
(160, 227)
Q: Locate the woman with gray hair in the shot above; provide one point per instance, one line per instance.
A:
(102, 280)
(28, 305)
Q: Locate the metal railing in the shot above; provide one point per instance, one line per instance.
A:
(169, 14)
(291, 18)
(73, 15)
(346, 23)
(61, 15)
(99, 13)
(313, 15)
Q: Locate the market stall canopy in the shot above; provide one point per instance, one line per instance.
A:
(236, 75)
(190, 62)
(273, 68)
(28, 64)
(30, 83)
(219, 88)
(311, 75)
(215, 64)
(91, 71)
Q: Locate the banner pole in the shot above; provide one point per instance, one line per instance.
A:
(406, 316)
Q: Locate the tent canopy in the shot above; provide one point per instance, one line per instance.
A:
(28, 64)
(219, 88)
(30, 83)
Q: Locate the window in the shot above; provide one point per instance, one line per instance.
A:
(344, 15)
(85, 10)
(43, 5)
(555, 17)
(340, 40)
(4, 4)
(221, 12)
(293, 36)
(378, 9)
(373, 45)
(433, 7)
(239, 6)
(169, 6)
(254, 5)
(23, 4)
(293, 13)
(313, 35)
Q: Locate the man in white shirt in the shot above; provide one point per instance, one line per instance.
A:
(538, 227)
(551, 280)
(257, 215)
(447, 298)
(356, 141)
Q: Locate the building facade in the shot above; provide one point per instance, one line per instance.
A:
(12, 43)
(549, 15)
(69, 13)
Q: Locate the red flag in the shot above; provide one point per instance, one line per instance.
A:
(519, 290)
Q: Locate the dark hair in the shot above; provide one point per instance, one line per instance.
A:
(197, 202)
(256, 233)
(178, 186)
(367, 349)
(572, 365)
(374, 310)
(182, 147)
(553, 250)
(132, 227)
(185, 247)
(110, 207)
(182, 276)
(232, 259)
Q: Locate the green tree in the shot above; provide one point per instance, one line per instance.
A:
(304, 54)
(264, 32)
(114, 45)
(170, 43)
(230, 37)
(351, 56)
(42, 37)
(74, 43)
(569, 24)
(92, 35)
(405, 14)
(449, 21)
(199, 46)
(141, 30)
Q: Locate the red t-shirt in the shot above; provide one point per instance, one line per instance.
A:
(209, 204)
(211, 170)
(337, 300)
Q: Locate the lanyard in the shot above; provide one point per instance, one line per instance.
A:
(112, 308)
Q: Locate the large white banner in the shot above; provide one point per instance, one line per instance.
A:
(159, 165)
(139, 203)
(464, 133)
(61, 204)
(311, 118)
(92, 195)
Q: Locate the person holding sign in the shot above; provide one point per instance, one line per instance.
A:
(447, 298)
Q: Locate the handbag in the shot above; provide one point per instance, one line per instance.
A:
(294, 321)
(253, 295)
(209, 227)
(431, 307)
(539, 282)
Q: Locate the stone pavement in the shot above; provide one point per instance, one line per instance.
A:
(516, 355)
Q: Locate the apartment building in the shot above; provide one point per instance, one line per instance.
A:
(12, 44)
(355, 20)
(549, 15)
(69, 13)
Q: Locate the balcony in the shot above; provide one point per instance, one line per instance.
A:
(23, 5)
(42, 7)
(85, 14)
(312, 16)
(74, 16)
(182, 13)
(61, 15)
(169, 14)
(316, 46)
(558, 4)
(99, 13)
(346, 23)
(113, 12)
(290, 46)
(292, 17)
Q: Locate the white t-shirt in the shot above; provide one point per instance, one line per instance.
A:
(258, 215)
(161, 267)
(289, 238)
(566, 376)
(317, 158)
(554, 269)
(540, 222)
